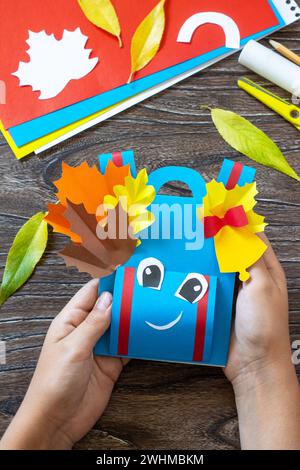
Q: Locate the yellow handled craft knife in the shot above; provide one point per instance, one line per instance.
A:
(288, 111)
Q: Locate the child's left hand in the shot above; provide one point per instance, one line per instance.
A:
(70, 388)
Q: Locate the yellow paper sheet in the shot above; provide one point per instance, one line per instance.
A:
(26, 149)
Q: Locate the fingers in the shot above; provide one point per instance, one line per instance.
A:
(273, 265)
(85, 298)
(74, 312)
(267, 268)
(85, 336)
(258, 272)
(111, 367)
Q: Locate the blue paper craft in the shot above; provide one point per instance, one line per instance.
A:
(36, 128)
(163, 317)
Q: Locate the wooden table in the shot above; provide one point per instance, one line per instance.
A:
(154, 405)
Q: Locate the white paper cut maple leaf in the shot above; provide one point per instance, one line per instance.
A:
(53, 63)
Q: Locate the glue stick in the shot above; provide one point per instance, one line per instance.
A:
(272, 66)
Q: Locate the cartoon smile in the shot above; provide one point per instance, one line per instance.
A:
(167, 326)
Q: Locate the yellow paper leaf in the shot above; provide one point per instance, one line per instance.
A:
(256, 222)
(147, 38)
(213, 202)
(241, 196)
(237, 248)
(102, 14)
(219, 199)
(134, 196)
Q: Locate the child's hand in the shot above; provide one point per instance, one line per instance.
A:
(259, 365)
(70, 388)
(260, 335)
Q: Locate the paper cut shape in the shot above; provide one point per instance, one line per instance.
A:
(134, 196)
(229, 26)
(150, 273)
(82, 185)
(102, 234)
(53, 63)
(193, 288)
(86, 185)
(228, 216)
(165, 327)
(234, 217)
(59, 223)
(100, 252)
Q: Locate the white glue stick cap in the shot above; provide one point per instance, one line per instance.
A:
(272, 66)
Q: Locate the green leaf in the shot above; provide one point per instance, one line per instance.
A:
(25, 252)
(102, 14)
(246, 138)
(146, 40)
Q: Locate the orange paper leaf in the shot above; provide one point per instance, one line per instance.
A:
(81, 185)
(86, 185)
(56, 219)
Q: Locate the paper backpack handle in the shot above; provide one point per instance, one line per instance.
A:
(119, 159)
(234, 173)
(190, 177)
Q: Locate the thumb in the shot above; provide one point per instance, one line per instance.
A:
(85, 336)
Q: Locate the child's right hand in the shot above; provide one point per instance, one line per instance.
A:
(259, 364)
(260, 336)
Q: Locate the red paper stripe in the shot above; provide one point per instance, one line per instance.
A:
(234, 175)
(117, 158)
(125, 312)
(200, 326)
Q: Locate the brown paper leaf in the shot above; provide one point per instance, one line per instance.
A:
(98, 254)
(77, 256)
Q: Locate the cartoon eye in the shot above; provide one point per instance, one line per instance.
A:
(193, 288)
(150, 273)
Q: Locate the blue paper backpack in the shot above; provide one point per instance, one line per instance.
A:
(170, 301)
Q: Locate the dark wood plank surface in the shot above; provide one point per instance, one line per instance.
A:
(154, 405)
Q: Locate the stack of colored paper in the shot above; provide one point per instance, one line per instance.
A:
(60, 73)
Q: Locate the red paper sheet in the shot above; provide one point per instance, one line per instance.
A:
(17, 17)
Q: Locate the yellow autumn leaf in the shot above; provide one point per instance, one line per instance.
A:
(147, 38)
(102, 14)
